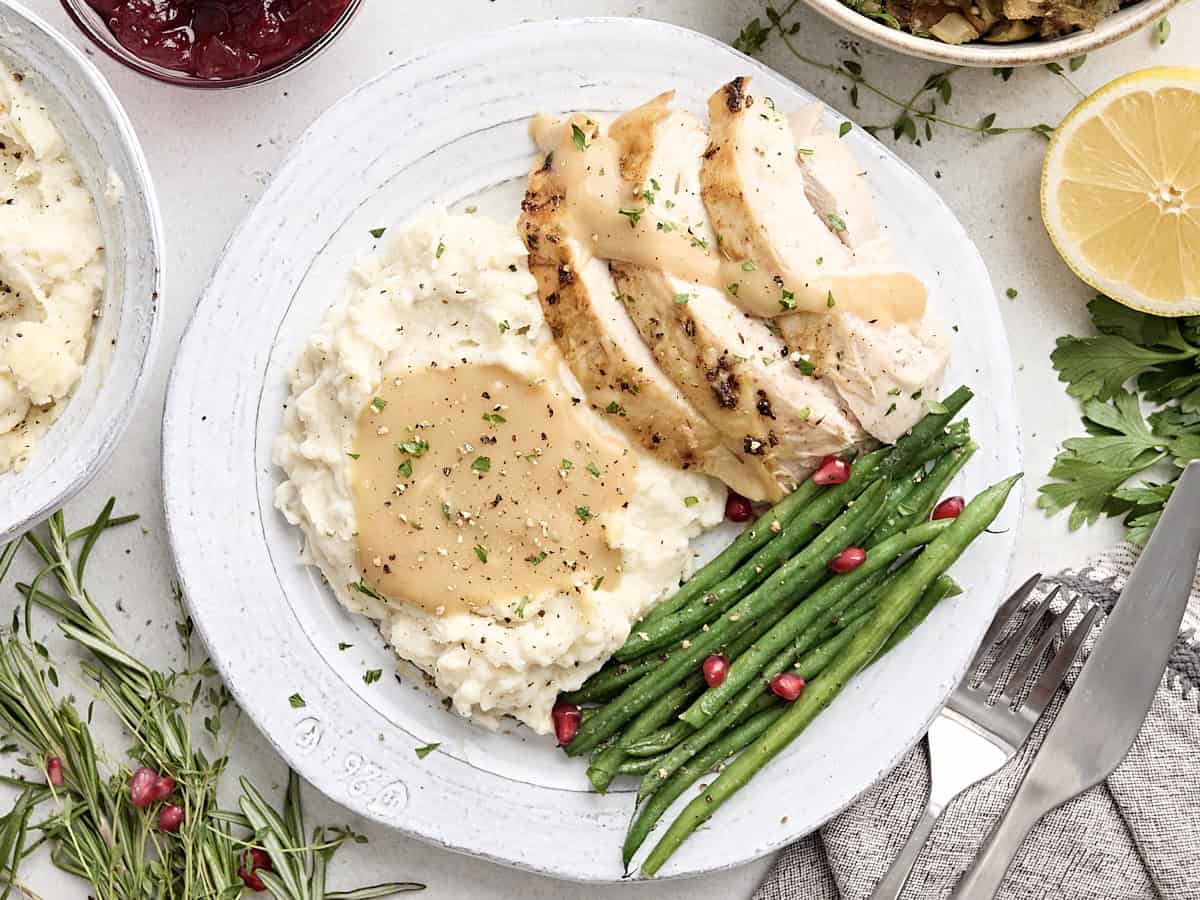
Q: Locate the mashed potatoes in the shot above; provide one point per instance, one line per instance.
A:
(51, 272)
(452, 294)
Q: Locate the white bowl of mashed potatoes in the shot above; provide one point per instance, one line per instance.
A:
(80, 270)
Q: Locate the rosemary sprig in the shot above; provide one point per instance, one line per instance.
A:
(83, 793)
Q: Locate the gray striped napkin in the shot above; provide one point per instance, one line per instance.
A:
(1136, 837)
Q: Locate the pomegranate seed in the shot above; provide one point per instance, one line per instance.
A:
(566, 718)
(250, 880)
(54, 771)
(848, 560)
(164, 786)
(259, 859)
(716, 667)
(170, 817)
(787, 685)
(950, 508)
(832, 470)
(738, 508)
(141, 787)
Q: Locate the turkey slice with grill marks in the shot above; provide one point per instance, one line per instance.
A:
(728, 363)
(594, 333)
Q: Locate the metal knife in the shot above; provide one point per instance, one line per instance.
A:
(1104, 711)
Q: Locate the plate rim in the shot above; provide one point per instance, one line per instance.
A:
(243, 696)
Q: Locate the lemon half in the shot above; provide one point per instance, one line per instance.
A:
(1121, 190)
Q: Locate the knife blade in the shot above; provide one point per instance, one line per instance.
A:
(1105, 709)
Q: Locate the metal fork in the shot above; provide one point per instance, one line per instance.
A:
(972, 738)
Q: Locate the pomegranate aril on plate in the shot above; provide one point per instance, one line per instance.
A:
(950, 508)
(715, 668)
(832, 470)
(566, 718)
(738, 508)
(787, 685)
(848, 560)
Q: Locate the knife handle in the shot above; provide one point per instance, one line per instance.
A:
(983, 879)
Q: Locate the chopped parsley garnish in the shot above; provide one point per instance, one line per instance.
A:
(405, 469)
(578, 137)
(482, 464)
(894, 392)
(423, 752)
(614, 408)
(804, 412)
(377, 233)
(805, 151)
(504, 326)
(699, 242)
(788, 301)
(599, 581)
(593, 470)
(732, 287)
(891, 409)
(372, 675)
(682, 299)
(363, 588)
(416, 447)
(749, 266)
(494, 418)
(665, 227)
(566, 464)
(536, 559)
(690, 501)
(343, 646)
(844, 129)
(441, 248)
(481, 553)
(446, 512)
(820, 260)
(633, 215)
(296, 701)
(520, 607)
(1011, 293)
(352, 455)
(584, 513)
(836, 222)
(805, 366)
(379, 404)
(829, 301)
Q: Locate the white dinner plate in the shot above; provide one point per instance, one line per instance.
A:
(449, 127)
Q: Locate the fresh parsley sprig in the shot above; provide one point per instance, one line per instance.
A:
(1093, 474)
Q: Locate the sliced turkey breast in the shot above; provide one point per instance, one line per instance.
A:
(601, 345)
(797, 209)
(729, 364)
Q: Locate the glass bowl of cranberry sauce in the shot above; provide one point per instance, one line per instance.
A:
(212, 43)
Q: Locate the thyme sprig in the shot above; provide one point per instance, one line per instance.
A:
(921, 108)
(77, 798)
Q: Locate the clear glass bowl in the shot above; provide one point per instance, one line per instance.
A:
(93, 25)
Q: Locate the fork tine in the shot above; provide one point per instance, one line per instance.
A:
(1040, 696)
(1003, 615)
(1013, 645)
(1013, 688)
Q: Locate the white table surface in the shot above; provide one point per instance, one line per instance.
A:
(212, 153)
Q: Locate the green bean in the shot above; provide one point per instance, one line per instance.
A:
(787, 541)
(920, 503)
(746, 543)
(900, 600)
(808, 667)
(636, 766)
(944, 587)
(770, 600)
(608, 682)
(660, 741)
(953, 435)
(605, 765)
(750, 664)
(731, 743)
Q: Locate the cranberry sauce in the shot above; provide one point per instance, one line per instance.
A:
(218, 39)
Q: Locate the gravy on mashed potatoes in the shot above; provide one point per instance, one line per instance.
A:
(453, 485)
(51, 271)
